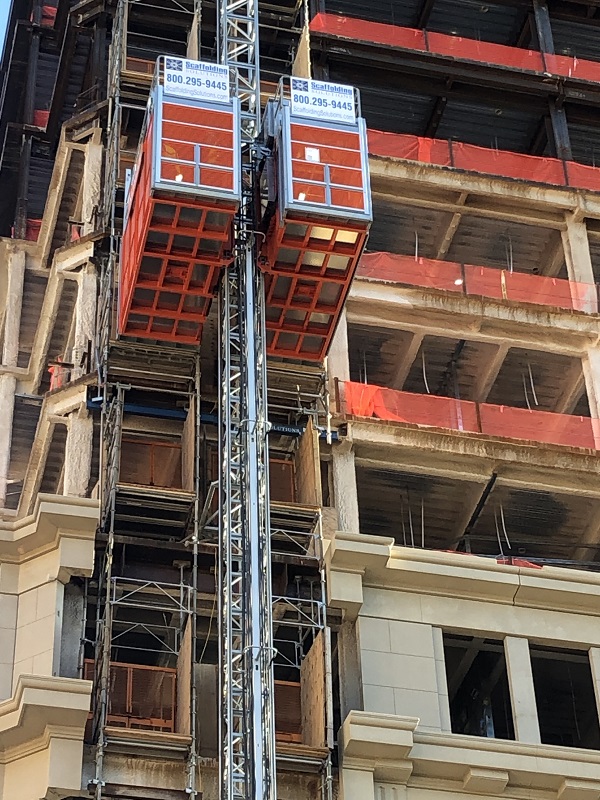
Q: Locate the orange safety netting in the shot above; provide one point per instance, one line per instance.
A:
(413, 148)
(522, 287)
(414, 271)
(537, 426)
(582, 176)
(509, 165)
(455, 46)
(363, 31)
(366, 400)
(487, 52)
(536, 169)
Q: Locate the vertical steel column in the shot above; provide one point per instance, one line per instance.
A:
(247, 720)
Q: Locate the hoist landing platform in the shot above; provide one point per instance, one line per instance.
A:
(181, 203)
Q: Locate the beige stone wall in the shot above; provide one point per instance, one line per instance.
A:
(398, 669)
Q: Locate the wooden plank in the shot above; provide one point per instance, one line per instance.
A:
(313, 694)
(184, 681)
(188, 441)
(308, 468)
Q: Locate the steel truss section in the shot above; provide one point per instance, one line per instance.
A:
(238, 48)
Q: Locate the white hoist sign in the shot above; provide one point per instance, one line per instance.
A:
(330, 102)
(197, 80)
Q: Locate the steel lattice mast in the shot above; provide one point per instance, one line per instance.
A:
(247, 750)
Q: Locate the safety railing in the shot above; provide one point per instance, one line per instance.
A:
(140, 697)
(472, 158)
(379, 402)
(476, 281)
(458, 47)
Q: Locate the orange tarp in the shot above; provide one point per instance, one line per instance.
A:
(366, 400)
(455, 46)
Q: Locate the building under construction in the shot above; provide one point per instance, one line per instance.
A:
(300, 400)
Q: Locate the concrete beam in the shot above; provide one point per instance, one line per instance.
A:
(345, 492)
(590, 541)
(396, 307)
(444, 240)
(406, 360)
(92, 186)
(8, 385)
(488, 373)
(573, 387)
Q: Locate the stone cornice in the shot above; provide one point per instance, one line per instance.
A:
(393, 750)
(55, 517)
(355, 561)
(42, 708)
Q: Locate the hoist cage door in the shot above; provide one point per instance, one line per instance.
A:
(323, 165)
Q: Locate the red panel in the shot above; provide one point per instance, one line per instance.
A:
(509, 165)
(364, 400)
(363, 31)
(310, 265)
(586, 70)
(413, 148)
(487, 52)
(537, 426)
(413, 271)
(172, 252)
(40, 118)
(582, 176)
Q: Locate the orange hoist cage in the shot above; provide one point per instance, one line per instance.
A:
(318, 233)
(178, 232)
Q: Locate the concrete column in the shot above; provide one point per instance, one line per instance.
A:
(345, 493)
(8, 385)
(14, 301)
(520, 681)
(579, 265)
(78, 453)
(338, 362)
(92, 185)
(442, 680)
(591, 372)
(594, 656)
(356, 784)
(85, 319)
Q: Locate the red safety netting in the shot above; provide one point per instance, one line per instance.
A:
(487, 52)
(537, 426)
(414, 271)
(522, 287)
(507, 164)
(473, 158)
(366, 400)
(413, 148)
(363, 31)
(455, 46)
(583, 176)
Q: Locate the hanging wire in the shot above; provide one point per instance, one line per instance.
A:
(525, 391)
(424, 372)
(364, 366)
(410, 525)
(535, 400)
(498, 532)
(402, 519)
(422, 523)
(509, 254)
(508, 544)
(416, 245)
(575, 720)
